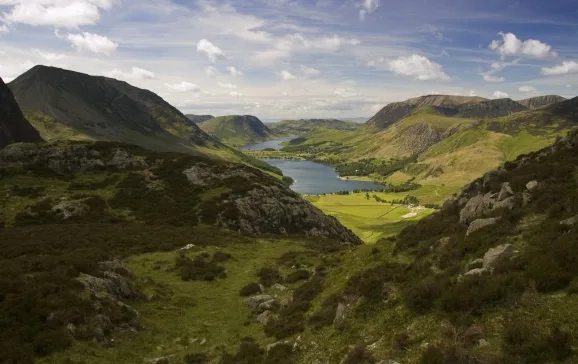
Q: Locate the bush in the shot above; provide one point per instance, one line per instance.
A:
(220, 257)
(269, 276)
(420, 297)
(359, 355)
(400, 342)
(299, 275)
(250, 289)
(196, 358)
(198, 269)
(326, 315)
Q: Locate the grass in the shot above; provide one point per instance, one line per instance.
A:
(371, 220)
(182, 311)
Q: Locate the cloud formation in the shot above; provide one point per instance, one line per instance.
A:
(93, 43)
(499, 95)
(527, 89)
(367, 7)
(510, 45)
(234, 72)
(212, 51)
(183, 87)
(135, 73)
(287, 76)
(418, 67)
(564, 68)
(308, 71)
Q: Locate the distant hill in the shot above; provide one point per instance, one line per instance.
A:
(541, 101)
(489, 108)
(397, 111)
(237, 130)
(198, 118)
(14, 127)
(302, 126)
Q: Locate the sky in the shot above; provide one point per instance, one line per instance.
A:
(281, 59)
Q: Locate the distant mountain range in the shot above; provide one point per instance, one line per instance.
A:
(237, 130)
(13, 125)
(303, 126)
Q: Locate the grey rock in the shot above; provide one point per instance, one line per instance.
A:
(477, 207)
(480, 224)
(570, 222)
(67, 209)
(255, 301)
(508, 203)
(339, 313)
(262, 288)
(264, 317)
(278, 343)
(280, 287)
(496, 255)
(387, 362)
(530, 186)
(505, 192)
(475, 263)
(268, 305)
(476, 272)
(483, 343)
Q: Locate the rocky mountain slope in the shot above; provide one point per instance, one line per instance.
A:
(489, 109)
(13, 125)
(198, 118)
(70, 210)
(237, 129)
(63, 104)
(541, 101)
(303, 126)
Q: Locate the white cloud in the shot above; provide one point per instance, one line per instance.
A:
(212, 51)
(499, 95)
(527, 89)
(234, 72)
(510, 45)
(367, 7)
(49, 56)
(211, 71)
(472, 93)
(4, 29)
(236, 94)
(227, 85)
(491, 78)
(92, 42)
(58, 13)
(568, 86)
(418, 67)
(307, 71)
(183, 87)
(564, 68)
(287, 76)
(135, 73)
(345, 92)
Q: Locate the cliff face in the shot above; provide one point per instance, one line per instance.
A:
(13, 125)
(490, 108)
(541, 101)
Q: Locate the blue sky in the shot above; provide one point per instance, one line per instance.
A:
(301, 58)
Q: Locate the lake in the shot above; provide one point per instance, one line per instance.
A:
(271, 144)
(313, 178)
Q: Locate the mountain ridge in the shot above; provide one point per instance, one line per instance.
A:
(237, 130)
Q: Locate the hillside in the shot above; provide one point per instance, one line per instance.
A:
(303, 126)
(198, 118)
(541, 101)
(13, 125)
(63, 104)
(489, 109)
(237, 130)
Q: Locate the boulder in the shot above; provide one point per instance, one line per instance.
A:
(264, 317)
(508, 203)
(280, 287)
(339, 313)
(505, 192)
(255, 301)
(477, 207)
(477, 263)
(476, 272)
(480, 224)
(68, 209)
(570, 222)
(496, 255)
(268, 305)
(530, 186)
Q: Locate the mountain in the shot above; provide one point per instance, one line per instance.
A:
(489, 109)
(541, 101)
(63, 104)
(303, 126)
(237, 130)
(198, 118)
(14, 127)
(397, 111)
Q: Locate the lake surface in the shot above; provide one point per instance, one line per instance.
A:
(313, 178)
(271, 144)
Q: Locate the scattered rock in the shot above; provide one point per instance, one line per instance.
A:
(483, 343)
(570, 222)
(530, 186)
(67, 209)
(496, 255)
(339, 313)
(280, 287)
(477, 207)
(188, 246)
(271, 346)
(508, 203)
(255, 301)
(387, 362)
(162, 360)
(505, 192)
(268, 305)
(476, 272)
(477, 263)
(480, 224)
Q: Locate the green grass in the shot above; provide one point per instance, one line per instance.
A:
(524, 143)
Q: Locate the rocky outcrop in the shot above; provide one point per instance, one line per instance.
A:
(541, 101)
(255, 301)
(493, 258)
(14, 128)
(480, 224)
(570, 222)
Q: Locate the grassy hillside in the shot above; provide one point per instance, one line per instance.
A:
(237, 130)
(304, 126)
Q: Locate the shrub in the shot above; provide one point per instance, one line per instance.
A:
(220, 257)
(420, 297)
(326, 315)
(198, 269)
(250, 289)
(196, 358)
(299, 275)
(400, 342)
(359, 355)
(269, 276)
